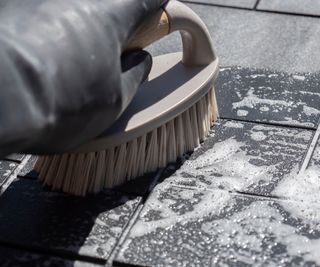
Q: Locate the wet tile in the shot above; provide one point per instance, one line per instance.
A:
(256, 39)
(15, 257)
(234, 3)
(6, 169)
(305, 186)
(188, 227)
(90, 226)
(268, 96)
(246, 157)
(308, 7)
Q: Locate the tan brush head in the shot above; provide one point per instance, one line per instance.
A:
(170, 114)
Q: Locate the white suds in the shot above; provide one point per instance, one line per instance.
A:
(234, 167)
(258, 136)
(299, 77)
(253, 76)
(310, 111)
(232, 124)
(251, 100)
(242, 112)
(209, 203)
(304, 189)
(264, 108)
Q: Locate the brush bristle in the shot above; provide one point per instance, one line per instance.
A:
(79, 174)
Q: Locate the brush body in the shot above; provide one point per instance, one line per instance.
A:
(171, 114)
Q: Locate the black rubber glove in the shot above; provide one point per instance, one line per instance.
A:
(62, 80)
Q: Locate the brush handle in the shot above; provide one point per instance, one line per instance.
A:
(174, 84)
(151, 30)
(196, 40)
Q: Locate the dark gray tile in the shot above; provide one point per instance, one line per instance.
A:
(234, 3)
(268, 96)
(257, 39)
(309, 7)
(6, 169)
(246, 157)
(14, 257)
(195, 227)
(90, 226)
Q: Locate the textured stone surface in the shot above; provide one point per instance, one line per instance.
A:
(234, 3)
(91, 226)
(14, 257)
(6, 169)
(246, 157)
(256, 39)
(310, 7)
(268, 96)
(182, 226)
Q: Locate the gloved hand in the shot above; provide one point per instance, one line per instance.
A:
(62, 78)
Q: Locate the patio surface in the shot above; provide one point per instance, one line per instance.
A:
(247, 196)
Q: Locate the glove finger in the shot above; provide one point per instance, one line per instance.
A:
(136, 67)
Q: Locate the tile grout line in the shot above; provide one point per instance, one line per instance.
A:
(216, 5)
(310, 151)
(239, 193)
(232, 192)
(125, 233)
(255, 195)
(270, 123)
(133, 220)
(252, 9)
(288, 13)
(256, 5)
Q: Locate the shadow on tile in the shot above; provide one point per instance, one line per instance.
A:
(91, 226)
(16, 257)
(140, 186)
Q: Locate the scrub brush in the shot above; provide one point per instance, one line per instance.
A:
(170, 115)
